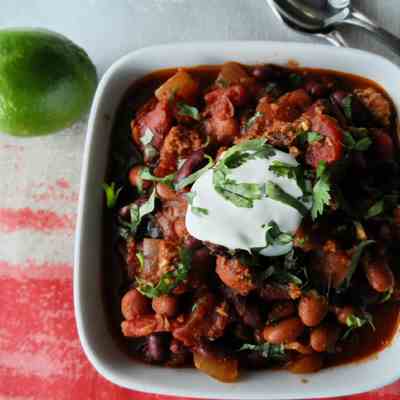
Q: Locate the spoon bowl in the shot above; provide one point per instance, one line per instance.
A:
(329, 33)
(323, 16)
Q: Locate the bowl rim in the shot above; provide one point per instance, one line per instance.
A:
(85, 173)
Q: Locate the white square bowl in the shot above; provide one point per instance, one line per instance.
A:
(94, 334)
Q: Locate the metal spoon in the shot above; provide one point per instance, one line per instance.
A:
(315, 16)
(331, 35)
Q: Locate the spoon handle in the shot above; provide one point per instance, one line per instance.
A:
(335, 38)
(356, 17)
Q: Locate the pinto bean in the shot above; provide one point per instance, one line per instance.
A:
(312, 309)
(190, 165)
(379, 275)
(324, 337)
(165, 305)
(306, 364)
(156, 349)
(134, 303)
(287, 330)
(165, 192)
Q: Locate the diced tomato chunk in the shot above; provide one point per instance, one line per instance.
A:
(156, 116)
(330, 147)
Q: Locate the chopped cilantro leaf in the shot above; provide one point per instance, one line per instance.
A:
(267, 350)
(170, 280)
(376, 209)
(189, 111)
(274, 236)
(146, 175)
(112, 194)
(196, 175)
(355, 261)
(140, 257)
(136, 215)
(275, 192)
(195, 210)
(354, 322)
(362, 144)
(240, 194)
(321, 191)
(348, 107)
(253, 119)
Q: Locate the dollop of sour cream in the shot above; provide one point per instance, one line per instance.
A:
(235, 227)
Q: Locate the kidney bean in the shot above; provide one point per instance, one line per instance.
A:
(287, 330)
(280, 310)
(190, 165)
(306, 364)
(338, 97)
(379, 275)
(192, 243)
(134, 177)
(157, 349)
(134, 303)
(383, 147)
(312, 309)
(270, 72)
(165, 305)
(165, 192)
(248, 311)
(324, 337)
(316, 89)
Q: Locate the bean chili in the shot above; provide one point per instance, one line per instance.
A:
(181, 301)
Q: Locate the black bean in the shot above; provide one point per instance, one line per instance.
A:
(190, 165)
(157, 347)
(355, 110)
(316, 89)
(270, 72)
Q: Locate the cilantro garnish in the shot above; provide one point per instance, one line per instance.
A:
(196, 175)
(112, 194)
(195, 210)
(321, 190)
(267, 350)
(240, 194)
(354, 322)
(140, 257)
(348, 107)
(274, 235)
(170, 280)
(189, 111)
(282, 169)
(376, 209)
(362, 144)
(253, 119)
(136, 215)
(149, 150)
(355, 261)
(148, 176)
(275, 192)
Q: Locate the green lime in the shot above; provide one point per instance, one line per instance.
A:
(46, 82)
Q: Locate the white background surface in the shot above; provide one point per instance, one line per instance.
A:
(31, 169)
